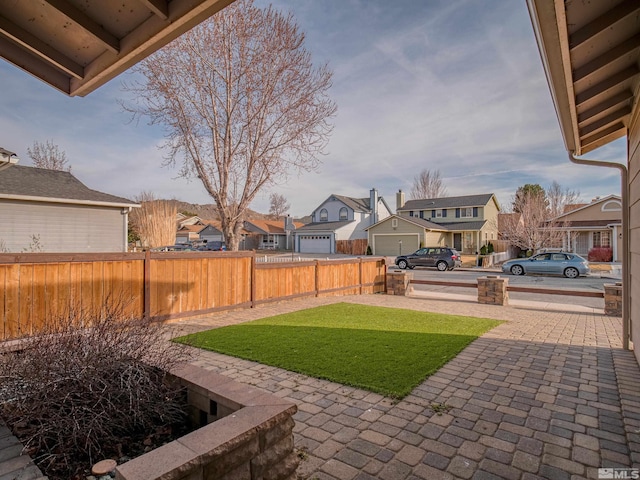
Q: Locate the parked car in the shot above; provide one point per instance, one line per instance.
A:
(442, 258)
(550, 263)
(213, 245)
(178, 247)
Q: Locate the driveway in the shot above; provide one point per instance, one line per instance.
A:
(547, 394)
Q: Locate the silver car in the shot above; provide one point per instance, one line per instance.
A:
(556, 263)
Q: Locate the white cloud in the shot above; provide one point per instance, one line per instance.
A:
(453, 85)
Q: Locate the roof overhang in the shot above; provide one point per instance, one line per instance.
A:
(78, 45)
(590, 52)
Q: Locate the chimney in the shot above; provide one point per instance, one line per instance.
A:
(373, 205)
(399, 200)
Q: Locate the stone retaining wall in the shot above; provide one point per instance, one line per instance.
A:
(247, 435)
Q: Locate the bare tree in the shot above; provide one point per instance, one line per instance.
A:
(428, 184)
(279, 205)
(48, 155)
(154, 221)
(559, 198)
(535, 225)
(241, 103)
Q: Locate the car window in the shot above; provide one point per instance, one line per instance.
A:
(422, 251)
(542, 256)
(434, 251)
(559, 257)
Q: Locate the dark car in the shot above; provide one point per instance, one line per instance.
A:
(442, 258)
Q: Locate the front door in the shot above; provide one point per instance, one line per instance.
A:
(457, 241)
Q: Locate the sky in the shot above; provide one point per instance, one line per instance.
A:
(455, 86)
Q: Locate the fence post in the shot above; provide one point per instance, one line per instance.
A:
(253, 279)
(317, 278)
(146, 289)
(360, 269)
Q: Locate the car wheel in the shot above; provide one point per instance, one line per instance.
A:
(442, 266)
(517, 270)
(571, 272)
(402, 264)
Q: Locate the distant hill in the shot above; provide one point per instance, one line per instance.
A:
(209, 212)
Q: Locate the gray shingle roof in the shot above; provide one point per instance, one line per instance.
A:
(323, 226)
(464, 226)
(25, 181)
(448, 202)
(356, 204)
(424, 223)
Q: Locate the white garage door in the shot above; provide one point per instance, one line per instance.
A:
(315, 243)
(390, 244)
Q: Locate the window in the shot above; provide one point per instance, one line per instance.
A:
(344, 213)
(438, 213)
(466, 212)
(602, 239)
(411, 213)
(394, 222)
(324, 215)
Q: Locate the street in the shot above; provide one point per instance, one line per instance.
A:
(590, 283)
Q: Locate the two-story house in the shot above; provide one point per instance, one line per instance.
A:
(466, 223)
(340, 218)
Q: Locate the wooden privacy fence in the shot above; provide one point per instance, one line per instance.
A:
(35, 287)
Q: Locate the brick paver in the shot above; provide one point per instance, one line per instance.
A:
(547, 394)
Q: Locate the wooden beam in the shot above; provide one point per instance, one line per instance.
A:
(110, 41)
(606, 58)
(36, 46)
(159, 8)
(28, 62)
(616, 116)
(603, 22)
(617, 99)
(607, 84)
(602, 138)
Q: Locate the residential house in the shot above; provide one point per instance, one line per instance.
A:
(270, 234)
(340, 218)
(195, 229)
(52, 211)
(596, 224)
(466, 223)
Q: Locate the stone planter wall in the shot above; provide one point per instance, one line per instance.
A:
(247, 435)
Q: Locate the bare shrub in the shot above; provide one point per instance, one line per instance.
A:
(600, 254)
(88, 386)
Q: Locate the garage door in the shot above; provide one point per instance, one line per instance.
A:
(315, 244)
(390, 244)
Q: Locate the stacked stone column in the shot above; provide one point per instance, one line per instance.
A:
(492, 290)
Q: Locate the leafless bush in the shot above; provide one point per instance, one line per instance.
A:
(87, 385)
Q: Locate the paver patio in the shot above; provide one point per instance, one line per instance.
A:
(548, 394)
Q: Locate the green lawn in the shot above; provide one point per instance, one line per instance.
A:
(385, 350)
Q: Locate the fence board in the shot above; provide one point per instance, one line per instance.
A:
(38, 287)
(25, 287)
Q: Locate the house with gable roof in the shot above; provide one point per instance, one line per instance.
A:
(340, 218)
(52, 211)
(593, 225)
(465, 223)
(270, 234)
